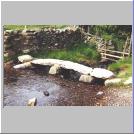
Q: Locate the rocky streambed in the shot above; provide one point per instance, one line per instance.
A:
(62, 92)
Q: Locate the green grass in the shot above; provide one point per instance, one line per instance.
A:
(32, 27)
(78, 53)
(122, 68)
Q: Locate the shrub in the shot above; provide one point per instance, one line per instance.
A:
(122, 68)
(77, 53)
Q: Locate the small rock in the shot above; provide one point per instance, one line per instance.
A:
(32, 102)
(78, 85)
(99, 94)
(56, 44)
(62, 76)
(46, 93)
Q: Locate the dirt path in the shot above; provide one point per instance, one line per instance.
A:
(118, 96)
(83, 94)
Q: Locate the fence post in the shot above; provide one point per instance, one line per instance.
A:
(125, 46)
(105, 49)
(130, 46)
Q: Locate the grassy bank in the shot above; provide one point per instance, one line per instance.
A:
(32, 27)
(78, 53)
(122, 68)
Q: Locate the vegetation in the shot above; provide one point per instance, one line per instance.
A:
(122, 68)
(116, 33)
(81, 52)
(32, 27)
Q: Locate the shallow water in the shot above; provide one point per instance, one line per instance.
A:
(30, 85)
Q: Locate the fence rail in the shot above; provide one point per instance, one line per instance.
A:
(112, 55)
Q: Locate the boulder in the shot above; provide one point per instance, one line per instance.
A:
(32, 102)
(25, 58)
(54, 69)
(102, 73)
(128, 81)
(114, 81)
(86, 78)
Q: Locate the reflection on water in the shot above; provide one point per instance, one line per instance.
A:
(30, 85)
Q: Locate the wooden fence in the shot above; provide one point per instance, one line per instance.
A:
(113, 55)
(116, 55)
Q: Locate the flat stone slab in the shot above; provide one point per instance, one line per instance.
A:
(102, 73)
(64, 64)
(56, 64)
(23, 65)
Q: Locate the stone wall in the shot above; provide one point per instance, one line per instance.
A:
(33, 40)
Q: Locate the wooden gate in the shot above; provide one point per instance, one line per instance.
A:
(113, 55)
(116, 55)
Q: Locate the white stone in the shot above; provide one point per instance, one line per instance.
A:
(99, 93)
(113, 81)
(54, 69)
(86, 78)
(32, 102)
(23, 65)
(64, 64)
(129, 81)
(56, 44)
(25, 58)
(102, 73)
(6, 54)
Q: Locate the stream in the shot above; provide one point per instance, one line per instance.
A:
(32, 84)
(62, 92)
